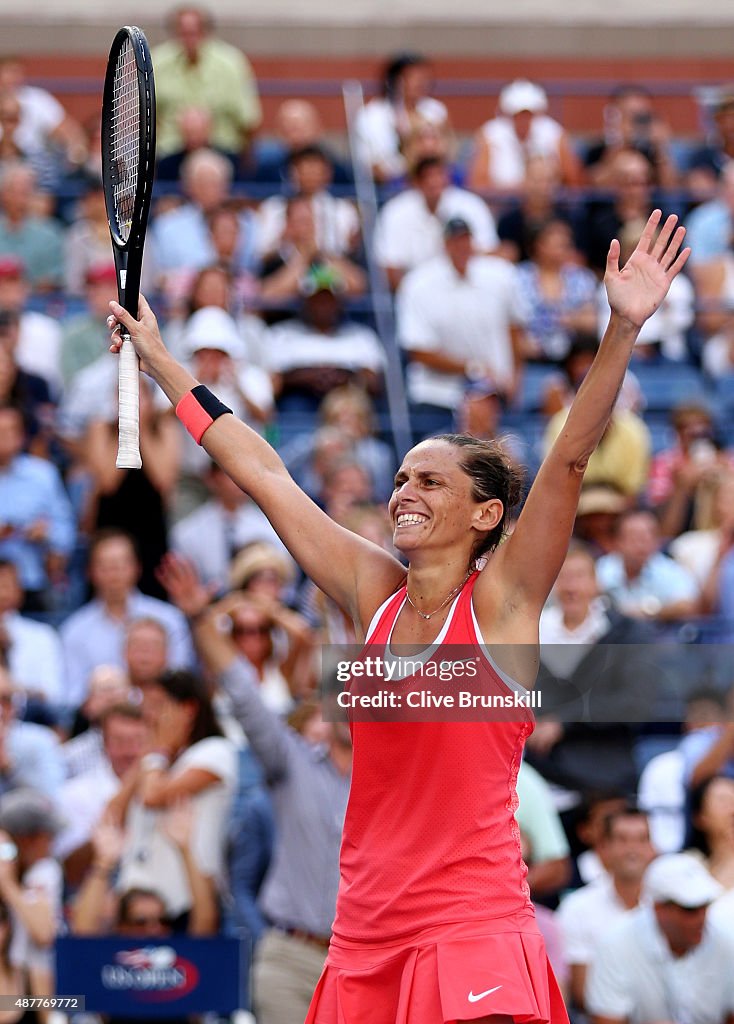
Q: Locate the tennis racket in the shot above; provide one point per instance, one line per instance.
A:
(128, 158)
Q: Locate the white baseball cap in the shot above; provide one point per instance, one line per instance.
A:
(522, 95)
(212, 327)
(680, 878)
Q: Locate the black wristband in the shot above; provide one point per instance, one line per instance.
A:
(209, 402)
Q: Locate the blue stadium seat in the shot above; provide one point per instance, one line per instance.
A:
(668, 384)
(535, 380)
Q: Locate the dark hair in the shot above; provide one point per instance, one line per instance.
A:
(631, 810)
(696, 838)
(538, 229)
(631, 513)
(205, 16)
(620, 92)
(425, 164)
(123, 907)
(395, 68)
(305, 152)
(181, 686)
(493, 476)
(192, 305)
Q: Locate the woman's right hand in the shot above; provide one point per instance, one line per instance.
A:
(144, 333)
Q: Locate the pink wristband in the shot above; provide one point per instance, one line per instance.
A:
(194, 418)
(198, 409)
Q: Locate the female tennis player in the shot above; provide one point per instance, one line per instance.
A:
(434, 923)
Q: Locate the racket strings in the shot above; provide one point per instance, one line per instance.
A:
(125, 138)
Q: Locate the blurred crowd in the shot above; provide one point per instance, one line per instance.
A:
(164, 763)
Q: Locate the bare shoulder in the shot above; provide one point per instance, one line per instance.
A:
(503, 614)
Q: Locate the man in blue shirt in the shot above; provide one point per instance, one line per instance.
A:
(37, 527)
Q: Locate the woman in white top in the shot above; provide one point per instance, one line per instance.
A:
(190, 758)
(385, 123)
(522, 130)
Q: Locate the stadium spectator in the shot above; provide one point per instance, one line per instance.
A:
(520, 130)
(25, 391)
(100, 909)
(622, 458)
(84, 797)
(211, 535)
(347, 486)
(83, 334)
(560, 295)
(708, 164)
(587, 914)
(709, 226)
(711, 807)
(459, 316)
(37, 529)
(35, 240)
(427, 139)
(662, 789)
(662, 961)
(348, 418)
(33, 337)
(641, 580)
(535, 206)
(409, 228)
(181, 238)
(216, 352)
(697, 550)
(29, 753)
(31, 885)
(137, 501)
(549, 866)
(631, 122)
(665, 334)
(95, 634)
(146, 653)
(709, 750)
(586, 827)
(683, 478)
(190, 758)
(630, 180)
(599, 506)
(195, 126)
(297, 125)
(276, 643)
(87, 242)
(108, 687)
(386, 122)
(715, 283)
(298, 253)
(196, 69)
(44, 124)
(310, 784)
(40, 160)
(336, 220)
(32, 649)
(591, 660)
(320, 349)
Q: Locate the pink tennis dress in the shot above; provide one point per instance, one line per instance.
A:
(434, 922)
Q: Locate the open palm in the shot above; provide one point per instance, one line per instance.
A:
(636, 291)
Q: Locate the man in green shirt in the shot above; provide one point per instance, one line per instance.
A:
(193, 69)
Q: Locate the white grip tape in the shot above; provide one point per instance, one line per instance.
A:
(128, 448)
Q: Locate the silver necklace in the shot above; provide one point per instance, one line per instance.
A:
(443, 603)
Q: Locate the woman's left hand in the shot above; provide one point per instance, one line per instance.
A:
(638, 289)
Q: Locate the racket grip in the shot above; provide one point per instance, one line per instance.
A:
(128, 447)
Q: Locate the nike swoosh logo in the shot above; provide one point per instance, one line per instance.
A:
(482, 995)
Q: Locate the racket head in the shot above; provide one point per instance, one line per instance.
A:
(128, 138)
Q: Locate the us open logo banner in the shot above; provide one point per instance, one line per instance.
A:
(141, 977)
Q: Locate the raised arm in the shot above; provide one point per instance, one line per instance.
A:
(528, 563)
(357, 574)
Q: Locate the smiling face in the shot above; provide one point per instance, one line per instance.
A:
(432, 506)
